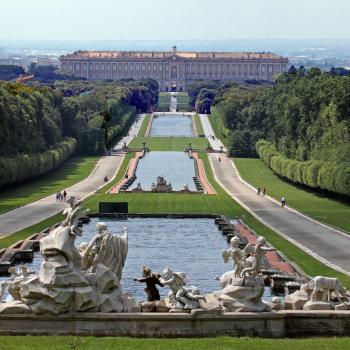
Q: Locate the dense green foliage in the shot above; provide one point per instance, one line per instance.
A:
(305, 115)
(35, 120)
(10, 71)
(330, 176)
(24, 166)
(47, 72)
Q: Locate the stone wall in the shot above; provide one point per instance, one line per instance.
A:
(267, 324)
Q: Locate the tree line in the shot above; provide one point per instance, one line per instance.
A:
(305, 117)
(41, 125)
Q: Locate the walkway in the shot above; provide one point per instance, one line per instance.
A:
(33, 213)
(133, 131)
(324, 243)
(215, 143)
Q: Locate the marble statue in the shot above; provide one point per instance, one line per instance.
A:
(161, 186)
(72, 279)
(152, 280)
(242, 287)
(181, 296)
(257, 257)
(236, 255)
(138, 188)
(317, 295)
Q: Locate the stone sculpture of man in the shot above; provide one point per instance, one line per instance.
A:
(107, 249)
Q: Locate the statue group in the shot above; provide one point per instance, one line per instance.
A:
(88, 279)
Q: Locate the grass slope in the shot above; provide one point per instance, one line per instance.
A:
(182, 101)
(218, 126)
(75, 169)
(199, 126)
(163, 102)
(124, 343)
(144, 126)
(168, 143)
(321, 208)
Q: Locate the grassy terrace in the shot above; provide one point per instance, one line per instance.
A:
(199, 126)
(144, 125)
(163, 102)
(321, 208)
(168, 143)
(182, 101)
(219, 343)
(75, 169)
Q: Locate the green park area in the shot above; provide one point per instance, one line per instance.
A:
(69, 173)
(309, 202)
(168, 143)
(163, 102)
(182, 101)
(199, 126)
(218, 343)
(144, 126)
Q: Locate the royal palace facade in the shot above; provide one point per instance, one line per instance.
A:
(174, 70)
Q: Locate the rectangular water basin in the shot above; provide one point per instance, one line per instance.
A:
(177, 168)
(172, 125)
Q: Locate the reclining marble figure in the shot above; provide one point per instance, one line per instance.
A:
(69, 279)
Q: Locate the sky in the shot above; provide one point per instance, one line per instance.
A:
(173, 19)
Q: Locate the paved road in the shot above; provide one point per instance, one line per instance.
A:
(215, 143)
(326, 244)
(134, 130)
(30, 214)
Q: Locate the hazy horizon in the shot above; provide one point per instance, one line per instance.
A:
(109, 20)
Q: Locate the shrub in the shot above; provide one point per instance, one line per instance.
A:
(25, 166)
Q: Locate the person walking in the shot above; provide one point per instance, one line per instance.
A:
(219, 159)
(264, 191)
(258, 193)
(64, 195)
(283, 202)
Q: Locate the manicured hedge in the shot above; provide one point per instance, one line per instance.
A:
(25, 166)
(314, 173)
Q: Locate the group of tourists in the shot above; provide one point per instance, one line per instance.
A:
(61, 196)
(261, 191)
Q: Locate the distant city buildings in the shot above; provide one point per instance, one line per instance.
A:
(174, 70)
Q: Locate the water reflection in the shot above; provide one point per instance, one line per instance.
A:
(190, 245)
(171, 125)
(176, 167)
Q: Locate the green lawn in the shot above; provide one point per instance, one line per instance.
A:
(321, 208)
(144, 126)
(163, 102)
(182, 101)
(199, 126)
(75, 169)
(124, 343)
(218, 126)
(168, 143)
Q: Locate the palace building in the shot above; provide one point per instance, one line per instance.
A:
(174, 70)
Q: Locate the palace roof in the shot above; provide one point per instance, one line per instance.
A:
(170, 54)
